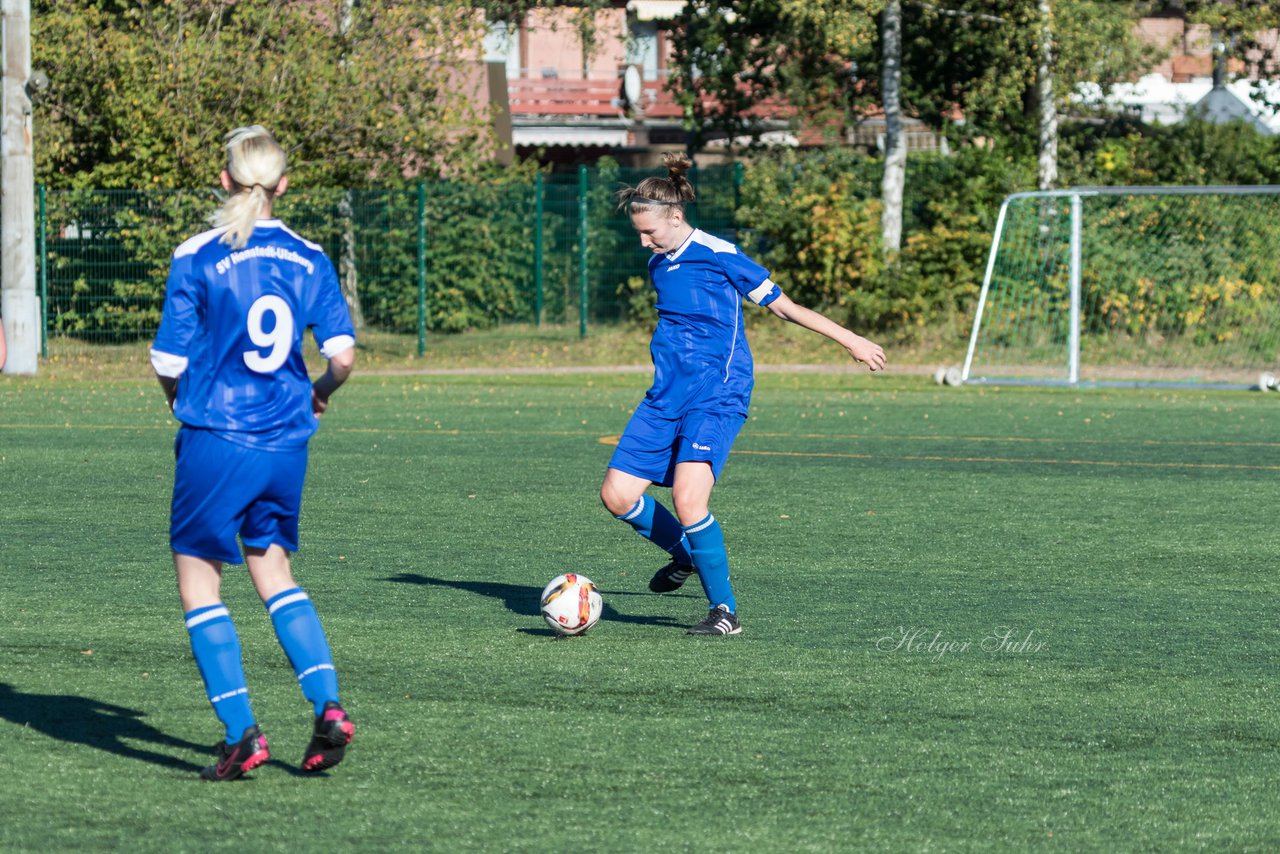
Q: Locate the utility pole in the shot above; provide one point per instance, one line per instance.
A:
(18, 306)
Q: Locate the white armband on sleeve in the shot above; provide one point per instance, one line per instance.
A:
(765, 293)
(336, 345)
(167, 364)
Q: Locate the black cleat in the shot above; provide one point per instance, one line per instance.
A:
(235, 759)
(670, 577)
(334, 731)
(720, 621)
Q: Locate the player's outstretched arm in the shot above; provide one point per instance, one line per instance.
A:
(862, 350)
(335, 375)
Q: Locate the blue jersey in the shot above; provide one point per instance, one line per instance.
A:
(232, 330)
(700, 355)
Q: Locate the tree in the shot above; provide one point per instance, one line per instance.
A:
(994, 72)
(1048, 161)
(895, 144)
(1238, 29)
(141, 92)
(740, 67)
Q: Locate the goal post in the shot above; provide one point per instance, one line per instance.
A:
(1146, 286)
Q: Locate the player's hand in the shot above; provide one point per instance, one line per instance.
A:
(318, 404)
(869, 353)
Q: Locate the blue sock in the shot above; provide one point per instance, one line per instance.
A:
(216, 648)
(706, 544)
(656, 524)
(298, 628)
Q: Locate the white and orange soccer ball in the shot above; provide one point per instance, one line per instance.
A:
(571, 604)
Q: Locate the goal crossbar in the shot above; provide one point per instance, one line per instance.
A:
(1153, 286)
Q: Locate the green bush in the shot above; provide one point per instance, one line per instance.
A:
(1193, 152)
(814, 219)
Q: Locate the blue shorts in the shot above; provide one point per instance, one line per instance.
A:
(222, 490)
(652, 444)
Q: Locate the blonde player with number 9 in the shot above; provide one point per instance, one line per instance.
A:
(229, 358)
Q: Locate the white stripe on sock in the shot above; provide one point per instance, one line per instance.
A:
(220, 611)
(701, 526)
(300, 596)
(227, 696)
(304, 674)
(635, 511)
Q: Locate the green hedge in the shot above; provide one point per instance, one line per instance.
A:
(812, 217)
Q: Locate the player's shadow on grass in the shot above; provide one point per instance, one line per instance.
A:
(93, 723)
(523, 600)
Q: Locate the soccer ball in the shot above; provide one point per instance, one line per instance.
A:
(571, 604)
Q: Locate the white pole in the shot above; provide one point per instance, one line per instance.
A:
(18, 305)
(1073, 333)
(986, 288)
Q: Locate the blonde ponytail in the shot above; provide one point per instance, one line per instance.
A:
(256, 163)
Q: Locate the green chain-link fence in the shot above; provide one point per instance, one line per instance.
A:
(438, 256)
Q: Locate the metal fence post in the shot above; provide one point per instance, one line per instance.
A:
(422, 269)
(44, 278)
(691, 213)
(739, 175)
(583, 208)
(1073, 333)
(537, 250)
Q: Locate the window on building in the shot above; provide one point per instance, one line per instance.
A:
(502, 44)
(642, 47)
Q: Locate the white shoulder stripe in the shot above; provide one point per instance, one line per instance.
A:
(194, 244)
(715, 244)
(275, 223)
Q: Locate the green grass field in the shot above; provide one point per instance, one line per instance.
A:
(974, 619)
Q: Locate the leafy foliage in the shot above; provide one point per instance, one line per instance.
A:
(765, 52)
(361, 94)
(1192, 152)
(970, 59)
(478, 253)
(814, 221)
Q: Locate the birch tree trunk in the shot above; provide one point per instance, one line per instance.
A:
(19, 308)
(1048, 106)
(348, 272)
(895, 145)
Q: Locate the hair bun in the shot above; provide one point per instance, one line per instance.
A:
(677, 163)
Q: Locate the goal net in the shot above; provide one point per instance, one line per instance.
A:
(1131, 286)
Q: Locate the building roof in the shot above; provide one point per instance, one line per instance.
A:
(1159, 101)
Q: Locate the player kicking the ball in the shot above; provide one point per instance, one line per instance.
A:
(681, 433)
(229, 357)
